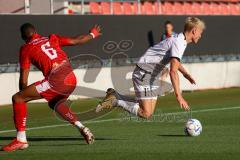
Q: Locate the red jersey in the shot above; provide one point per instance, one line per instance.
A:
(43, 52)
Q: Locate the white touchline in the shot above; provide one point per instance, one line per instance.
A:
(117, 119)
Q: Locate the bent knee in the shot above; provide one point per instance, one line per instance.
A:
(17, 98)
(146, 115)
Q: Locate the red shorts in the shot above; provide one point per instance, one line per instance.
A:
(59, 84)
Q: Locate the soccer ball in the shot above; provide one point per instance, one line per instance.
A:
(193, 127)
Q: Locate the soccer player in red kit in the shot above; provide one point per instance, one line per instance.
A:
(46, 54)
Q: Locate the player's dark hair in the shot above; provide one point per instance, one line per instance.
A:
(168, 22)
(27, 30)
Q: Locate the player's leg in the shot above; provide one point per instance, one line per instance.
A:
(145, 90)
(147, 107)
(20, 109)
(60, 106)
(143, 108)
(20, 116)
(27, 94)
(63, 82)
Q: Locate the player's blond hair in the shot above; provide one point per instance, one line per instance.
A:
(192, 22)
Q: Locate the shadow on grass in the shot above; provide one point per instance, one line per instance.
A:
(64, 138)
(173, 135)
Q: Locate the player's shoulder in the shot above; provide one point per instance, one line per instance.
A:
(178, 38)
(174, 33)
(170, 40)
(175, 36)
(24, 50)
(24, 47)
(54, 37)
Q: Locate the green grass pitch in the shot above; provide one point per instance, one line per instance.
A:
(119, 137)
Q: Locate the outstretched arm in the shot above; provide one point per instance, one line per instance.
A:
(174, 67)
(81, 39)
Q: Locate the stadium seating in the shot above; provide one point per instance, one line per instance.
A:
(224, 7)
(178, 8)
(207, 8)
(117, 8)
(157, 7)
(234, 9)
(127, 8)
(147, 8)
(187, 8)
(135, 7)
(167, 8)
(94, 8)
(170, 7)
(105, 8)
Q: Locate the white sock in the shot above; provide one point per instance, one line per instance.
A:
(79, 125)
(129, 106)
(21, 136)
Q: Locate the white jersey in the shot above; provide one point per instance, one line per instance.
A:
(158, 56)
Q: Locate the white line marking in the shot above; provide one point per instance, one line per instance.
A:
(207, 110)
(117, 119)
(216, 109)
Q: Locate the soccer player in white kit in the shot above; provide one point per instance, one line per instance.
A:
(146, 74)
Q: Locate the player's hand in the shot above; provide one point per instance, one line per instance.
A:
(190, 78)
(183, 103)
(96, 31)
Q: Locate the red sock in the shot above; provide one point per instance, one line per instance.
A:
(20, 116)
(65, 112)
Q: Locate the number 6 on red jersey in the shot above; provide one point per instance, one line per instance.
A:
(50, 52)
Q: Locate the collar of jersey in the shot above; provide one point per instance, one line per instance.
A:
(183, 35)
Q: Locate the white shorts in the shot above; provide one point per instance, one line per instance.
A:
(145, 85)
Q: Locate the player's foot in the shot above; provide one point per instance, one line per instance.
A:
(109, 101)
(15, 145)
(87, 134)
